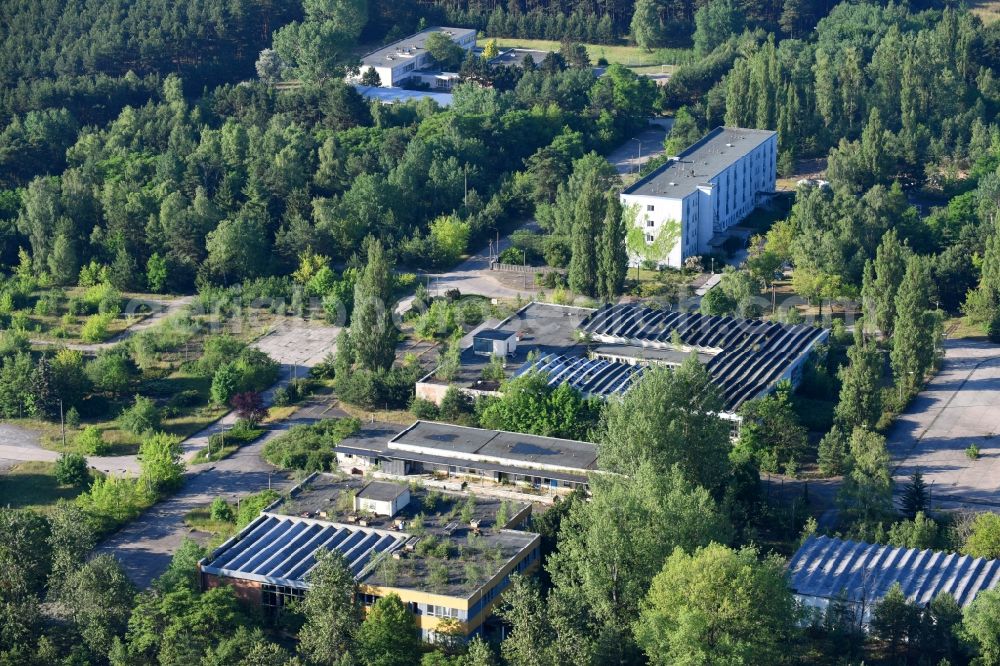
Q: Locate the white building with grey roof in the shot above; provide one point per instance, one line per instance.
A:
(403, 59)
(711, 186)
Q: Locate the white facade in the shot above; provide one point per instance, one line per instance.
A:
(710, 187)
(401, 60)
(382, 506)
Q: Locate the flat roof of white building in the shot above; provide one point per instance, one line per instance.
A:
(410, 47)
(699, 163)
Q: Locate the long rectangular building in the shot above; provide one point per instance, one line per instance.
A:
(825, 569)
(711, 186)
(746, 358)
(448, 556)
(474, 453)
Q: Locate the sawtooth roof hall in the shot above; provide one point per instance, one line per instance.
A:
(745, 357)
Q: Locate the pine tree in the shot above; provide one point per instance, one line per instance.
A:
(915, 497)
(373, 333)
(612, 257)
(860, 402)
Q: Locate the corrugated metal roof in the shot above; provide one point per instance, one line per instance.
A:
(748, 356)
(826, 567)
(282, 549)
(592, 377)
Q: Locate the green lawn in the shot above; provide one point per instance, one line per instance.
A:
(32, 485)
(631, 56)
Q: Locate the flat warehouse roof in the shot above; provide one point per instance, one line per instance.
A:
(699, 163)
(446, 440)
(409, 47)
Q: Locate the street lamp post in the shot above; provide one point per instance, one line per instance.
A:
(638, 160)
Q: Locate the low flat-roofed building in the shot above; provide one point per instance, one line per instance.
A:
(448, 556)
(382, 498)
(537, 328)
(603, 352)
(825, 569)
(494, 342)
(399, 61)
(476, 454)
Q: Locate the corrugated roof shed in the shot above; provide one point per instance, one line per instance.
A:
(748, 355)
(282, 549)
(826, 567)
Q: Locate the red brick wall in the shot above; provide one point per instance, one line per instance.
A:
(247, 591)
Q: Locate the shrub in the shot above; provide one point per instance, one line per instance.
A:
(972, 452)
(225, 383)
(281, 397)
(310, 447)
(252, 505)
(424, 409)
(71, 470)
(220, 510)
(249, 406)
(91, 442)
(141, 417)
(95, 328)
(160, 461)
(185, 398)
(73, 418)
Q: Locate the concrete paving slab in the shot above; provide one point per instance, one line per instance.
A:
(960, 407)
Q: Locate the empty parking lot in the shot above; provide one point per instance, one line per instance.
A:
(960, 407)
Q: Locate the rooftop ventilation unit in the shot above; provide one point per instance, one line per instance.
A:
(729, 145)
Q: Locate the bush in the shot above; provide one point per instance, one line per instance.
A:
(160, 461)
(220, 510)
(95, 328)
(141, 417)
(73, 417)
(252, 505)
(972, 452)
(424, 409)
(281, 397)
(91, 442)
(392, 389)
(186, 398)
(71, 470)
(310, 447)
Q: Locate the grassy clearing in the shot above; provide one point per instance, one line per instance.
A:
(987, 10)
(33, 485)
(201, 519)
(961, 327)
(222, 445)
(631, 56)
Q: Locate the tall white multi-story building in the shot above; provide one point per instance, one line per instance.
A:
(711, 186)
(403, 59)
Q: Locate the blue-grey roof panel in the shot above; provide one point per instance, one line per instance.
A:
(827, 567)
(282, 549)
